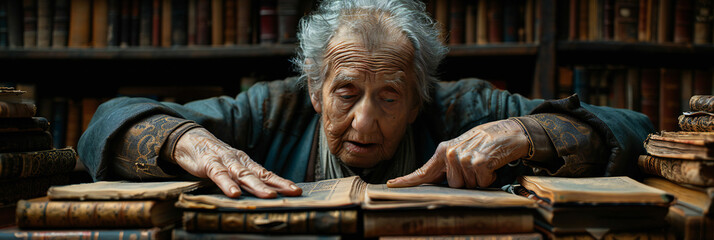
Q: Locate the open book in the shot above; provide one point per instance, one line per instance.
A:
(352, 191)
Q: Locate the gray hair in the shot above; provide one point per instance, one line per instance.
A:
(318, 28)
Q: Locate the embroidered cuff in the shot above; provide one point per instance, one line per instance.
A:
(167, 151)
(541, 148)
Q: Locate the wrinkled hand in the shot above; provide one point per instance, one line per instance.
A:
(203, 155)
(471, 159)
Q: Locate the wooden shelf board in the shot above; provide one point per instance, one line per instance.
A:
(501, 49)
(634, 47)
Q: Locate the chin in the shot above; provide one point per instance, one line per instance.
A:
(359, 162)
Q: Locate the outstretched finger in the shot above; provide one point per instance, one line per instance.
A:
(249, 181)
(432, 171)
(219, 174)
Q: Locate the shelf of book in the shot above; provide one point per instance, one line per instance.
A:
(634, 47)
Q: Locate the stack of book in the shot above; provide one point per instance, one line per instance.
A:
(350, 208)
(101, 210)
(28, 163)
(682, 163)
(597, 207)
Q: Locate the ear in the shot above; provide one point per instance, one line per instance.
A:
(315, 96)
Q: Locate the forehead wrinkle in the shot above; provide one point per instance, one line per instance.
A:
(350, 54)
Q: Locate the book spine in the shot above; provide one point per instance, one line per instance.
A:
(683, 21)
(495, 21)
(3, 25)
(100, 14)
(216, 22)
(389, 223)
(696, 123)
(510, 21)
(642, 27)
(582, 20)
(79, 23)
(15, 189)
(17, 110)
(702, 102)
(670, 98)
(166, 23)
(470, 22)
(243, 29)
(626, 20)
(96, 234)
(482, 22)
(15, 25)
(25, 142)
(203, 28)
(664, 21)
(649, 92)
(113, 23)
(84, 214)
(29, 38)
(300, 222)
(156, 23)
(191, 28)
(702, 21)
(229, 22)
(44, 23)
(678, 170)
(288, 19)
(179, 23)
(146, 23)
(268, 22)
(702, 83)
(60, 24)
(36, 164)
(135, 21)
(456, 22)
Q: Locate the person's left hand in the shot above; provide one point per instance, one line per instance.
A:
(471, 159)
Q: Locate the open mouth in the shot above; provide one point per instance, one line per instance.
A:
(363, 145)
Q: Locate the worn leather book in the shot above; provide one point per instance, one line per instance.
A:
(118, 190)
(36, 164)
(17, 110)
(155, 233)
(43, 213)
(563, 191)
(687, 223)
(696, 121)
(24, 124)
(700, 173)
(13, 190)
(703, 103)
(182, 234)
(681, 145)
(334, 221)
(556, 233)
(699, 199)
(25, 141)
(330, 198)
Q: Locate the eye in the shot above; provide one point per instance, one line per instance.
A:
(390, 100)
(347, 97)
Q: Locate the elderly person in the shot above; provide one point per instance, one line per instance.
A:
(367, 103)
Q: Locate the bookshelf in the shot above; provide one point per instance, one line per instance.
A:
(530, 60)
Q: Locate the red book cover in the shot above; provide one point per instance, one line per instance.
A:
(268, 21)
(683, 21)
(670, 97)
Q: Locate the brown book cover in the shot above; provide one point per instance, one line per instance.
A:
(29, 9)
(80, 23)
(470, 22)
(626, 20)
(688, 224)
(37, 163)
(495, 21)
(44, 23)
(669, 98)
(482, 22)
(698, 198)
(683, 21)
(15, 23)
(123, 190)
(649, 92)
(243, 21)
(704, 103)
(653, 19)
(594, 20)
(229, 22)
(125, 23)
(682, 145)
(441, 16)
(665, 21)
(166, 23)
(203, 27)
(217, 22)
(696, 121)
(593, 190)
(573, 13)
(100, 11)
(17, 109)
(446, 222)
(703, 17)
(25, 188)
(113, 23)
(192, 22)
(642, 21)
(73, 124)
(456, 22)
(697, 173)
(43, 213)
(613, 217)
(582, 20)
(340, 221)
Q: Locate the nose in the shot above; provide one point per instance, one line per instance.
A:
(365, 115)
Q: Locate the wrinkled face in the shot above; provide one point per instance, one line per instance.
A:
(368, 97)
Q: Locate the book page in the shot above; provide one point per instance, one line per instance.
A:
(326, 193)
(594, 190)
(379, 196)
(105, 190)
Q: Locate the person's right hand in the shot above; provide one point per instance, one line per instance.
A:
(203, 155)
